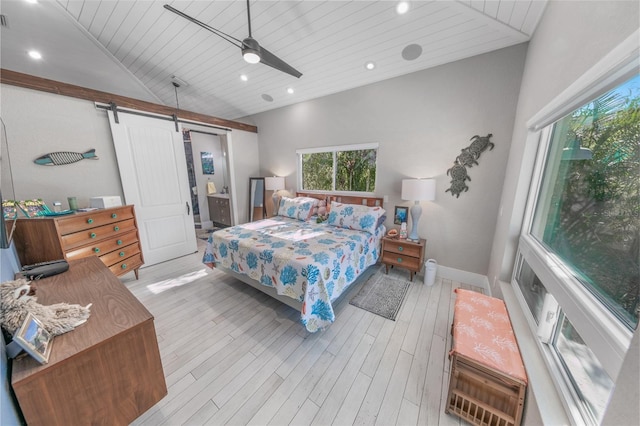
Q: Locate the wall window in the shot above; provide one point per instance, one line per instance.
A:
(578, 271)
(350, 168)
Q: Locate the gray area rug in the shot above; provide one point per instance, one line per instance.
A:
(382, 295)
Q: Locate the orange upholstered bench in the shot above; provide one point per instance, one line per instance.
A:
(488, 380)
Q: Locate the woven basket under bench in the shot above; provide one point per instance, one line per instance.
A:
(488, 381)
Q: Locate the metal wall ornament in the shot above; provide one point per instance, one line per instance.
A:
(467, 158)
(65, 157)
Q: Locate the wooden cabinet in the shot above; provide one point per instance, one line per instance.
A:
(106, 371)
(111, 234)
(219, 210)
(404, 254)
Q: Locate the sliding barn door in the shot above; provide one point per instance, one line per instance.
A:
(154, 178)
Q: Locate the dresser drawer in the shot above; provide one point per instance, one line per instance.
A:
(117, 256)
(405, 249)
(409, 262)
(88, 220)
(92, 235)
(126, 265)
(103, 247)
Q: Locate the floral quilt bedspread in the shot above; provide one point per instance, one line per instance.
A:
(310, 262)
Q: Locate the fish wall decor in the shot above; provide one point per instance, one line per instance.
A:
(65, 157)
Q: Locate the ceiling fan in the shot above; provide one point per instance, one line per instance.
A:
(251, 50)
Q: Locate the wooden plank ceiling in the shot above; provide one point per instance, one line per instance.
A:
(328, 41)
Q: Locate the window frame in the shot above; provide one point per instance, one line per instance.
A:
(605, 334)
(334, 149)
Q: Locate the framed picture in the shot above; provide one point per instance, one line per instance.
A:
(207, 163)
(34, 339)
(400, 215)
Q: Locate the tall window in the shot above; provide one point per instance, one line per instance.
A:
(349, 168)
(578, 270)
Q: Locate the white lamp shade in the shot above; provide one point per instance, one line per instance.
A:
(419, 189)
(274, 183)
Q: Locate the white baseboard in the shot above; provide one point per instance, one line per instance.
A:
(464, 277)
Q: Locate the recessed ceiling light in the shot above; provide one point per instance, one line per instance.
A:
(35, 54)
(370, 65)
(402, 7)
(244, 77)
(290, 90)
(32, 1)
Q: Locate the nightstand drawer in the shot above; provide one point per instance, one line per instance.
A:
(409, 262)
(412, 250)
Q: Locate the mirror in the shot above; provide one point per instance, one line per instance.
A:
(6, 188)
(257, 209)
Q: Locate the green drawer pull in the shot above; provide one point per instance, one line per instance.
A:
(89, 220)
(121, 253)
(399, 260)
(92, 235)
(119, 242)
(400, 248)
(124, 266)
(115, 228)
(97, 250)
(113, 215)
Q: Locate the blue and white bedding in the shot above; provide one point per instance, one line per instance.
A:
(309, 262)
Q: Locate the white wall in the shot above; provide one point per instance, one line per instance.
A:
(243, 149)
(39, 123)
(421, 122)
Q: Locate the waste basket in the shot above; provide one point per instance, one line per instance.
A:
(430, 267)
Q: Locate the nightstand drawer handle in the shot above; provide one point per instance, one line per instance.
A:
(399, 260)
(89, 220)
(121, 254)
(97, 250)
(115, 228)
(124, 266)
(113, 216)
(92, 235)
(400, 248)
(119, 242)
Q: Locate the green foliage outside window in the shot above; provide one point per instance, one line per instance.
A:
(592, 203)
(317, 171)
(355, 171)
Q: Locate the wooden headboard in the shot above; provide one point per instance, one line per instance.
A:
(347, 199)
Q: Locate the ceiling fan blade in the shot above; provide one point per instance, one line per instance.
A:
(227, 37)
(273, 61)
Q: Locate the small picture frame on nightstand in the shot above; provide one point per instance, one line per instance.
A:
(400, 215)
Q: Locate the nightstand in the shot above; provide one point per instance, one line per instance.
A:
(403, 253)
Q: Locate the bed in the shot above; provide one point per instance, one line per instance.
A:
(305, 264)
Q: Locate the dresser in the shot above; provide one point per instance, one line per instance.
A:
(404, 254)
(106, 371)
(111, 234)
(219, 209)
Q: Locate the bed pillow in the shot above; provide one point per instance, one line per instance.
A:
(300, 208)
(354, 216)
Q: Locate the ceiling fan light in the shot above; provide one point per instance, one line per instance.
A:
(251, 57)
(250, 50)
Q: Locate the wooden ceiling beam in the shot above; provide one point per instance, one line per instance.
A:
(15, 78)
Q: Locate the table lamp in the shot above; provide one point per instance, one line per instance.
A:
(275, 184)
(417, 190)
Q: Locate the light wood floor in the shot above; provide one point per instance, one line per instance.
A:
(232, 355)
